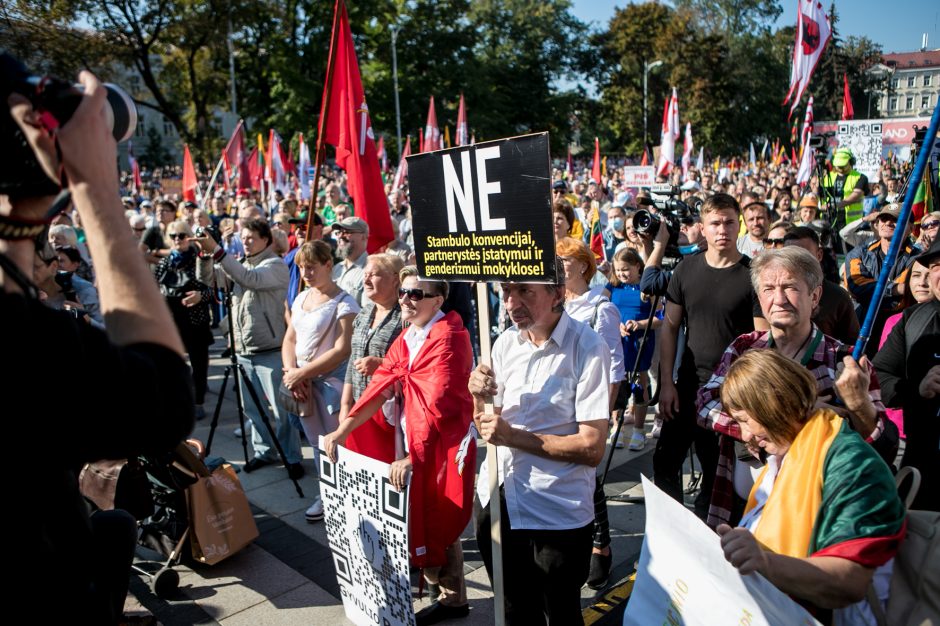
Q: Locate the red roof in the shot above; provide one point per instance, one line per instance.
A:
(902, 60)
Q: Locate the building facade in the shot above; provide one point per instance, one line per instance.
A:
(913, 85)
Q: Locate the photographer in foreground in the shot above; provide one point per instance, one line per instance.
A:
(128, 395)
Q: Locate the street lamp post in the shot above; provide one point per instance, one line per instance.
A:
(646, 71)
(394, 28)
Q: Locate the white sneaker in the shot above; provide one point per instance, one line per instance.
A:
(315, 512)
(657, 428)
(637, 440)
(237, 432)
(619, 443)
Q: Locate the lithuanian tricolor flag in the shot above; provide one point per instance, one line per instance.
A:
(921, 202)
(593, 237)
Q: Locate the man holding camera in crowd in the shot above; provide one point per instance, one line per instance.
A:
(259, 287)
(550, 384)
(130, 391)
(710, 295)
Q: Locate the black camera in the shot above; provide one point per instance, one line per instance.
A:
(211, 231)
(21, 176)
(669, 209)
(64, 281)
(820, 141)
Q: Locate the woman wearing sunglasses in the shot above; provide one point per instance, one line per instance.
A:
(183, 277)
(426, 372)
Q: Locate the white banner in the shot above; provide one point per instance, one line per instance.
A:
(639, 176)
(683, 577)
(864, 139)
(367, 527)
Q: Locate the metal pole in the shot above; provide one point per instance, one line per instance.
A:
(646, 71)
(395, 82)
(231, 62)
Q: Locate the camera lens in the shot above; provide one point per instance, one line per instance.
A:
(645, 222)
(123, 113)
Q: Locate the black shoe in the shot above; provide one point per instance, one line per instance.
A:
(256, 463)
(295, 471)
(599, 573)
(226, 353)
(438, 612)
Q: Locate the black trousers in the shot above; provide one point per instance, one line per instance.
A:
(675, 439)
(543, 570)
(114, 536)
(197, 341)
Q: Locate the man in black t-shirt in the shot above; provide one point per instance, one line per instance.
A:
(710, 294)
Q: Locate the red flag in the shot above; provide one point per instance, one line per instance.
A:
(189, 176)
(596, 167)
(236, 159)
(420, 140)
(349, 130)
(383, 155)
(463, 128)
(813, 32)
(402, 171)
(645, 160)
(432, 134)
(135, 169)
(848, 112)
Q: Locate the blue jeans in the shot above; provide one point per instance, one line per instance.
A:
(265, 374)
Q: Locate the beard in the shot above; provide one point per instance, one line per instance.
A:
(343, 250)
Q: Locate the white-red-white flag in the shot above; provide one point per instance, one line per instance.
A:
(275, 174)
(303, 168)
(569, 167)
(806, 167)
(432, 134)
(667, 147)
(463, 128)
(688, 147)
(813, 32)
(807, 125)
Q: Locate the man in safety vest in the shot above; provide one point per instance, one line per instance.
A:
(847, 185)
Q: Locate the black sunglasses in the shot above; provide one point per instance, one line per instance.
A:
(773, 243)
(178, 236)
(930, 225)
(415, 294)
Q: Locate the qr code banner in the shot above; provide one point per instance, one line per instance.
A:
(367, 527)
(864, 139)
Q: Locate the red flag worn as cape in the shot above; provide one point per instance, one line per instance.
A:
(439, 410)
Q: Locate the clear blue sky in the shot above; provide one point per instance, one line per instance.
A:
(897, 25)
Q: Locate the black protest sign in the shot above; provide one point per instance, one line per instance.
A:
(484, 212)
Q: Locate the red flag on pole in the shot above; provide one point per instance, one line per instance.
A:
(596, 167)
(135, 169)
(432, 134)
(236, 159)
(645, 160)
(463, 128)
(420, 140)
(189, 176)
(402, 171)
(848, 112)
(349, 130)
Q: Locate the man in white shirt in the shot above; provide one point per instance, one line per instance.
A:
(549, 383)
(352, 235)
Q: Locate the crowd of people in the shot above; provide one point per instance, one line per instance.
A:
(762, 287)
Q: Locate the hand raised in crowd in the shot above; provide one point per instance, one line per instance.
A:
(399, 473)
(482, 383)
(930, 385)
(742, 550)
(852, 381)
(367, 365)
(494, 429)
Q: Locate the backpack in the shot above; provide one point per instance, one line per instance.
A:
(914, 595)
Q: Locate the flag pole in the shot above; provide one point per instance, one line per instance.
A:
(923, 158)
(325, 106)
(499, 600)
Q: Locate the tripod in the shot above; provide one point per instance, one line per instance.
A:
(637, 392)
(237, 368)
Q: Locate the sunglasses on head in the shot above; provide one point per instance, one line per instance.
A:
(177, 235)
(774, 243)
(414, 294)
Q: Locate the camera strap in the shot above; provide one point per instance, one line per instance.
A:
(13, 229)
(17, 276)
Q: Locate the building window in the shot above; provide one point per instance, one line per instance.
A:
(139, 131)
(895, 83)
(168, 127)
(911, 80)
(927, 80)
(909, 103)
(925, 102)
(893, 104)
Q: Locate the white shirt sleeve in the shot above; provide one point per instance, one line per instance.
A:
(608, 327)
(593, 388)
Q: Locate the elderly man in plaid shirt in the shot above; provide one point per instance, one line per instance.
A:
(788, 283)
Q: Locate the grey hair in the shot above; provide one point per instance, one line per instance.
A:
(793, 259)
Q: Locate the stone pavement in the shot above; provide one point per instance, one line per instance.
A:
(286, 576)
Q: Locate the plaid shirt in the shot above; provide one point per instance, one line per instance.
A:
(822, 365)
(368, 342)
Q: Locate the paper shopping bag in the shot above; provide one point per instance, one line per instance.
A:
(219, 516)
